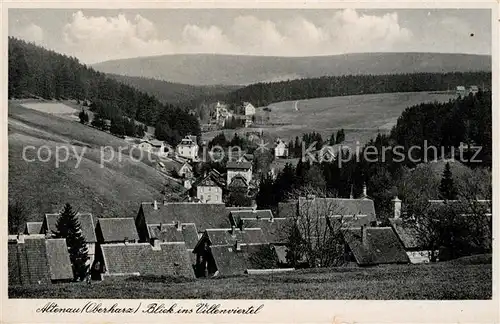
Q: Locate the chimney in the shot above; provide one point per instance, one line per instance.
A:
(364, 236)
(365, 194)
(20, 238)
(125, 240)
(233, 230)
(351, 196)
(311, 197)
(178, 225)
(156, 244)
(237, 246)
(397, 207)
(155, 205)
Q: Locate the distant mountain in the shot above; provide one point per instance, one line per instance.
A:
(212, 69)
(173, 93)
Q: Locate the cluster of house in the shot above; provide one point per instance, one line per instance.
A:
(187, 149)
(223, 114)
(192, 239)
(463, 91)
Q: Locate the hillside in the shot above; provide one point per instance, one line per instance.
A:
(173, 93)
(35, 72)
(111, 191)
(211, 69)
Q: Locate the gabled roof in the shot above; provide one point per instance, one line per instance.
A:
(212, 179)
(382, 246)
(407, 234)
(238, 165)
(237, 215)
(202, 215)
(86, 223)
(28, 262)
(231, 262)
(59, 261)
(171, 259)
(276, 230)
(33, 228)
(166, 233)
(228, 237)
(337, 206)
(116, 230)
(238, 181)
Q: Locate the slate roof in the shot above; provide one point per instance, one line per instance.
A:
(407, 235)
(225, 237)
(275, 231)
(213, 178)
(59, 261)
(328, 206)
(238, 165)
(33, 228)
(116, 230)
(28, 262)
(202, 215)
(382, 246)
(238, 181)
(172, 259)
(237, 215)
(86, 223)
(231, 262)
(166, 233)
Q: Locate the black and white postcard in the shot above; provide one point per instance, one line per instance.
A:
(249, 162)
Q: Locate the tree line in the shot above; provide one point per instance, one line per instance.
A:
(35, 72)
(265, 93)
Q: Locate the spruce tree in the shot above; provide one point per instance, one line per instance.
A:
(447, 189)
(68, 227)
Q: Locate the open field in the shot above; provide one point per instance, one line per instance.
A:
(361, 116)
(111, 191)
(444, 281)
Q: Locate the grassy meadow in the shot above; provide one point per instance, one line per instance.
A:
(467, 278)
(362, 116)
(111, 191)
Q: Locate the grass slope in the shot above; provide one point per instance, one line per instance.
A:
(114, 190)
(444, 281)
(362, 116)
(211, 69)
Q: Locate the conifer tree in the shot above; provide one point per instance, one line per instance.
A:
(68, 227)
(447, 189)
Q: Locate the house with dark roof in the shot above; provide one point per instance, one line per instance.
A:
(140, 259)
(342, 208)
(223, 251)
(210, 188)
(33, 228)
(33, 259)
(417, 249)
(243, 169)
(202, 215)
(276, 230)
(87, 225)
(116, 230)
(373, 246)
(238, 182)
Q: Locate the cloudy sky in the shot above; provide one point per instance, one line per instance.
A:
(99, 35)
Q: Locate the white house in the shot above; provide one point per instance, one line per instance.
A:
(249, 109)
(209, 188)
(188, 148)
(473, 89)
(239, 168)
(460, 91)
(280, 150)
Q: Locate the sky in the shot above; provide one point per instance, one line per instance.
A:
(97, 35)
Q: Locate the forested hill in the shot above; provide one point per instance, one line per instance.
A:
(173, 93)
(210, 69)
(262, 94)
(40, 73)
